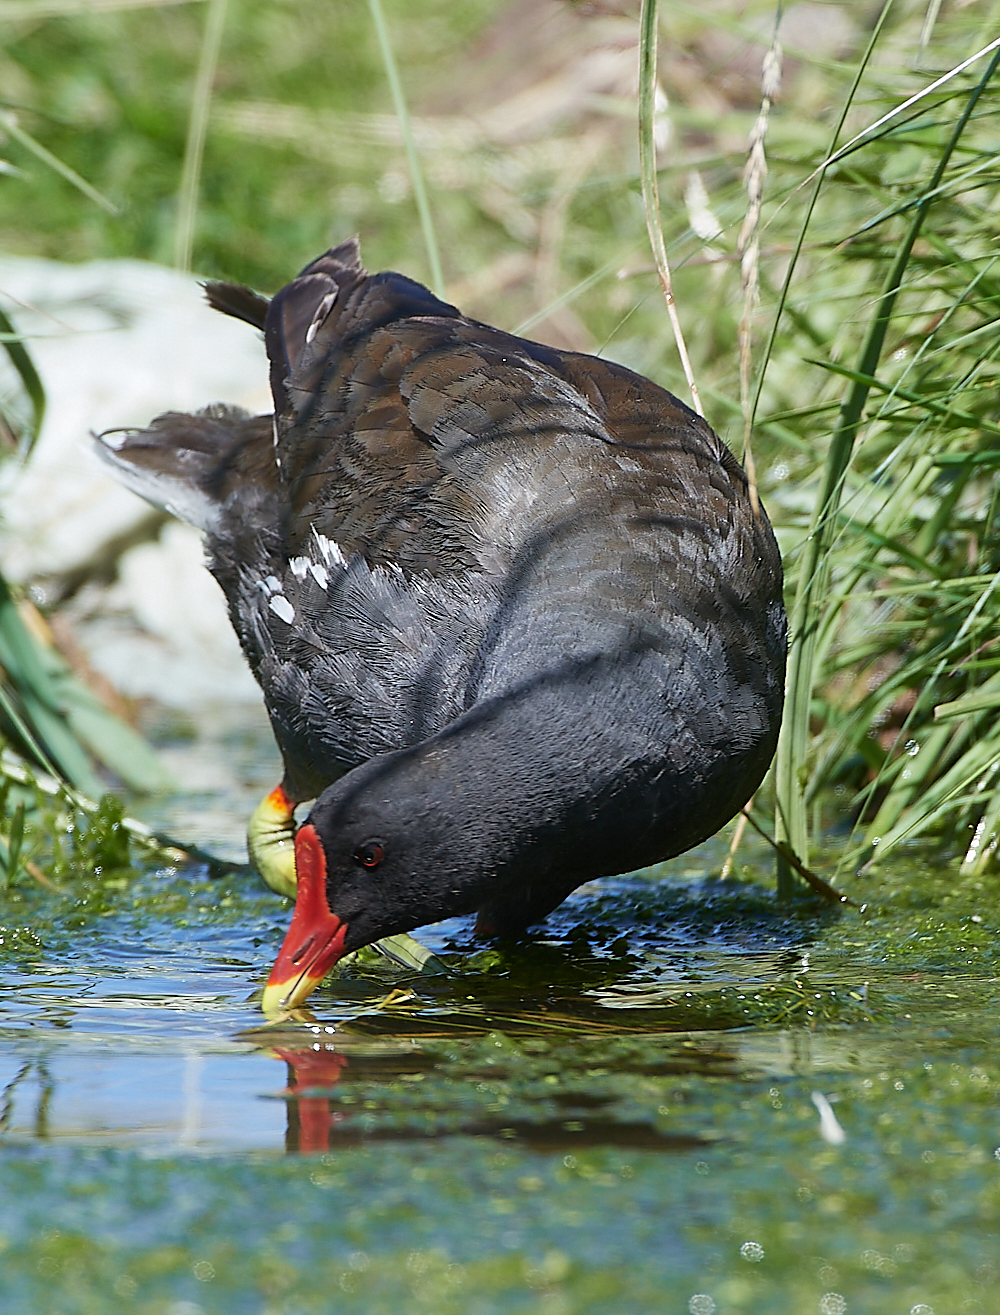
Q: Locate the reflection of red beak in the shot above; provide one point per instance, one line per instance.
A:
(312, 1069)
(315, 939)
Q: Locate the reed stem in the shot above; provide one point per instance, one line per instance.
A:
(650, 189)
(412, 159)
(194, 150)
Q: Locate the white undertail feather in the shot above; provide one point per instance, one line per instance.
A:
(175, 496)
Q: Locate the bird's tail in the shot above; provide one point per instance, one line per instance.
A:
(189, 464)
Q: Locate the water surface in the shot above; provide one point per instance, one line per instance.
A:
(622, 1114)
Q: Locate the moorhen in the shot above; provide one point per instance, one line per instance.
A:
(516, 620)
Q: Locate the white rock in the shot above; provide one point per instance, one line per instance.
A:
(117, 343)
(162, 631)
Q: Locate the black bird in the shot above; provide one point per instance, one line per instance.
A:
(516, 620)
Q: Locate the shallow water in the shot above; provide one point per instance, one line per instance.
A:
(617, 1116)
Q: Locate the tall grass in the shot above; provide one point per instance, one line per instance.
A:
(648, 86)
(884, 529)
(871, 394)
(862, 515)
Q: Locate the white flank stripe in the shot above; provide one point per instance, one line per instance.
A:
(330, 551)
(299, 567)
(280, 606)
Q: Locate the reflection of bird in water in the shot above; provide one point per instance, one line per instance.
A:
(310, 1118)
(516, 621)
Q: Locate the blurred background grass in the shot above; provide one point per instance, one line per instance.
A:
(110, 94)
(524, 118)
(524, 115)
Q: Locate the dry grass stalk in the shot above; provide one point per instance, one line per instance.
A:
(702, 218)
(650, 190)
(930, 18)
(10, 125)
(412, 159)
(734, 844)
(194, 150)
(552, 231)
(748, 249)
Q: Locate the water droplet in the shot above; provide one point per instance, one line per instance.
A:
(752, 1251)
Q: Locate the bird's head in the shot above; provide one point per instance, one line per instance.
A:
(389, 847)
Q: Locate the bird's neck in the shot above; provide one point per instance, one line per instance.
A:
(553, 773)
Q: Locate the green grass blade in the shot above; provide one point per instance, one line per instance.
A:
(112, 741)
(981, 701)
(868, 133)
(946, 795)
(409, 953)
(566, 297)
(25, 367)
(983, 845)
(11, 125)
(820, 176)
(58, 721)
(27, 740)
(790, 820)
(61, 745)
(412, 159)
(194, 150)
(15, 840)
(954, 418)
(815, 566)
(20, 656)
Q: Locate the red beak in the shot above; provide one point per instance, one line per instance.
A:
(315, 939)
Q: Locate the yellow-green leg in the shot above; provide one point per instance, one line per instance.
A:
(271, 841)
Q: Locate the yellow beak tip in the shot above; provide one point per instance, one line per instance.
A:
(275, 998)
(280, 997)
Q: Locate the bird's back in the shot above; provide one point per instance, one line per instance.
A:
(442, 512)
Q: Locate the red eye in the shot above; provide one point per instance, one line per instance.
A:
(369, 855)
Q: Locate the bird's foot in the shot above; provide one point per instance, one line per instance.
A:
(271, 841)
